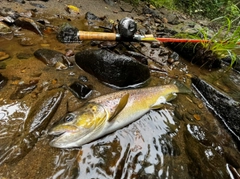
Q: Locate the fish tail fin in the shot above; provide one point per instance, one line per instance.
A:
(182, 88)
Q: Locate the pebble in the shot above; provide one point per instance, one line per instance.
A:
(4, 29)
(155, 44)
(26, 41)
(24, 55)
(4, 56)
(60, 66)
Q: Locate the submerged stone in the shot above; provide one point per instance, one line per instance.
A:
(4, 55)
(23, 90)
(5, 12)
(112, 69)
(47, 56)
(222, 105)
(5, 29)
(29, 24)
(80, 90)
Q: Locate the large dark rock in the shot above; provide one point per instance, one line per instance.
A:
(115, 70)
(222, 105)
(197, 54)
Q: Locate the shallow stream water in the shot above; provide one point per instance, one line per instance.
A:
(181, 140)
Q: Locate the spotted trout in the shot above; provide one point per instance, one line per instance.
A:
(108, 113)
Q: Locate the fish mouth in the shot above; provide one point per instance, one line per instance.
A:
(56, 133)
(61, 140)
(64, 138)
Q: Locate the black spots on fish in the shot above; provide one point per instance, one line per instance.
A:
(92, 108)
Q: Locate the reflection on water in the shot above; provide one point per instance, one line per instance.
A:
(11, 116)
(139, 150)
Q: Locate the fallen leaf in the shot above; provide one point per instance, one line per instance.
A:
(72, 9)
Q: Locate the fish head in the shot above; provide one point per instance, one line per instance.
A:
(79, 127)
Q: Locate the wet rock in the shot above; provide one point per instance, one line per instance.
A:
(29, 24)
(3, 81)
(91, 16)
(47, 56)
(174, 57)
(4, 55)
(80, 90)
(222, 105)
(236, 64)
(23, 89)
(5, 29)
(197, 54)
(113, 69)
(4, 11)
(7, 19)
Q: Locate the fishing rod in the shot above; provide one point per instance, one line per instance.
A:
(127, 28)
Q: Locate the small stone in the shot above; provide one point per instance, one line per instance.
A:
(47, 56)
(4, 56)
(200, 105)
(83, 78)
(23, 55)
(80, 90)
(155, 44)
(197, 117)
(26, 41)
(29, 24)
(4, 29)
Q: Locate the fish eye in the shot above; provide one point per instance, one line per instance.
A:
(68, 118)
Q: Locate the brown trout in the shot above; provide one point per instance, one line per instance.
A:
(108, 113)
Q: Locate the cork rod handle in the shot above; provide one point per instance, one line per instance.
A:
(85, 35)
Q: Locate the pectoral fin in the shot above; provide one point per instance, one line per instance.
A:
(122, 103)
(163, 99)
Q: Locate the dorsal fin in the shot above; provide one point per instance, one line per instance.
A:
(122, 103)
